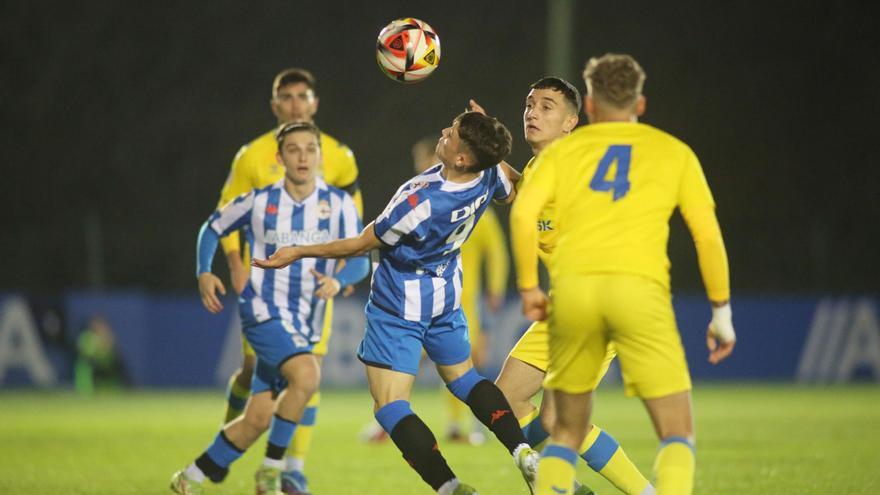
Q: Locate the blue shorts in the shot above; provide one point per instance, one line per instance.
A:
(393, 343)
(274, 341)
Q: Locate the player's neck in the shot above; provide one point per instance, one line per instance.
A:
(450, 173)
(299, 192)
(601, 117)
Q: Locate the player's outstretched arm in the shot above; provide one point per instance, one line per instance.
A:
(343, 248)
(209, 284)
(509, 171)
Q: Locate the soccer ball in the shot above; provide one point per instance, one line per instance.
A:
(408, 50)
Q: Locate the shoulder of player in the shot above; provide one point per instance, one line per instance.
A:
(330, 144)
(257, 147)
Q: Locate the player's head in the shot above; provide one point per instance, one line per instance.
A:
(293, 96)
(614, 88)
(424, 155)
(552, 108)
(474, 142)
(299, 150)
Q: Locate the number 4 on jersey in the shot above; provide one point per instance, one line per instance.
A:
(621, 154)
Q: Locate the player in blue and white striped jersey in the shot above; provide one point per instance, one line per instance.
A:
(281, 310)
(416, 291)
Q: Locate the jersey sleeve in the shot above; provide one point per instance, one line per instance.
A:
(234, 215)
(698, 209)
(535, 193)
(502, 184)
(238, 183)
(402, 217)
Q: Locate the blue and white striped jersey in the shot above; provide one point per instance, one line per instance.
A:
(423, 228)
(273, 219)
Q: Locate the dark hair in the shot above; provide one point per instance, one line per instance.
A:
(293, 76)
(569, 92)
(291, 127)
(486, 138)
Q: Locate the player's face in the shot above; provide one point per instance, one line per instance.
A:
(547, 117)
(300, 155)
(295, 102)
(450, 149)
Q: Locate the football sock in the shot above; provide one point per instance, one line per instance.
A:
(280, 433)
(533, 430)
(236, 399)
(604, 455)
(674, 467)
(194, 473)
(556, 471)
(215, 461)
(416, 442)
(302, 438)
(489, 406)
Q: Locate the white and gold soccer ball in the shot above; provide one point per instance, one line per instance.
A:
(408, 50)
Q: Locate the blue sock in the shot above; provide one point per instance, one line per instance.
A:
(215, 461)
(280, 434)
(461, 387)
(535, 432)
(390, 414)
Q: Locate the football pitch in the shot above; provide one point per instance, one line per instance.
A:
(752, 439)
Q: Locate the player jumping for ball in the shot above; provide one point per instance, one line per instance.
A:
(415, 301)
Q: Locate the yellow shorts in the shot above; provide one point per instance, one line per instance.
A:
(635, 314)
(533, 348)
(320, 348)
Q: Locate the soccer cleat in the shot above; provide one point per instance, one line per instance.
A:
(526, 460)
(580, 489)
(181, 484)
(463, 489)
(294, 483)
(268, 480)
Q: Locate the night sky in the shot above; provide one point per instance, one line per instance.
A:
(122, 118)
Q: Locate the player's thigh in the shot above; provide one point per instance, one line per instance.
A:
(323, 345)
(390, 342)
(387, 386)
(275, 342)
(447, 344)
(646, 337)
(578, 337)
(519, 381)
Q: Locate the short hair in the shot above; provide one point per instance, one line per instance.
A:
(615, 79)
(292, 76)
(569, 92)
(485, 137)
(291, 127)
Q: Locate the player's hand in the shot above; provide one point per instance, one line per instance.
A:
(327, 285)
(494, 302)
(209, 284)
(348, 291)
(534, 303)
(720, 337)
(283, 257)
(475, 107)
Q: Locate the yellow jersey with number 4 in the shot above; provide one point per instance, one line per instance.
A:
(614, 186)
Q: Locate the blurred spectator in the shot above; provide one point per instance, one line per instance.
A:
(97, 361)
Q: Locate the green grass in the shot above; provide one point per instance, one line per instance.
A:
(752, 439)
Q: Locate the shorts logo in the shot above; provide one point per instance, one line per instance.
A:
(323, 210)
(299, 340)
(272, 210)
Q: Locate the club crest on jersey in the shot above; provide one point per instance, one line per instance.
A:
(323, 210)
(469, 209)
(272, 209)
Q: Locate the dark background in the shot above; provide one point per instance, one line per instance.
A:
(120, 121)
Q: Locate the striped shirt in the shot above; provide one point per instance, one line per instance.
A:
(423, 227)
(272, 220)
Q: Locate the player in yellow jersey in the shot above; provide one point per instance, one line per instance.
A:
(615, 183)
(487, 246)
(551, 112)
(255, 166)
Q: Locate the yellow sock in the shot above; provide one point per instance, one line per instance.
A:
(454, 407)
(556, 471)
(674, 467)
(302, 437)
(533, 430)
(236, 399)
(605, 456)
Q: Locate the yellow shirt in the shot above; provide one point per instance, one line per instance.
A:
(255, 166)
(486, 244)
(547, 233)
(614, 186)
